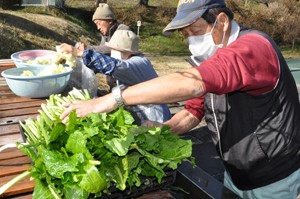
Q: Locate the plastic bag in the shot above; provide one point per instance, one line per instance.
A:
(83, 78)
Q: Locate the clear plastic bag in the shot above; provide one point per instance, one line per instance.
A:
(83, 78)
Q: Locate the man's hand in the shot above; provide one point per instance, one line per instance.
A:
(152, 124)
(182, 122)
(103, 104)
(82, 109)
(77, 51)
(65, 48)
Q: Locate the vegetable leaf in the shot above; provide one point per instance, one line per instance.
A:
(86, 156)
(92, 181)
(57, 164)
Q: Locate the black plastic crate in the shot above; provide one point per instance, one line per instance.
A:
(148, 185)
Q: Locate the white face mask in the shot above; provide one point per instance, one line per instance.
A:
(203, 46)
(115, 54)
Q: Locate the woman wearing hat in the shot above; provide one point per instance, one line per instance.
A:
(128, 66)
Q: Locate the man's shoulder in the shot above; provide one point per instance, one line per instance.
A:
(248, 31)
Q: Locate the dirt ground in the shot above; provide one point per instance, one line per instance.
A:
(162, 64)
(168, 64)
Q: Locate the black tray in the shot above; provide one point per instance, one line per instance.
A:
(148, 185)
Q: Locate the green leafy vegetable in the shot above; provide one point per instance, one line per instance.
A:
(86, 156)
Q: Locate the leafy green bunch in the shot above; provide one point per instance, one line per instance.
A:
(86, 156)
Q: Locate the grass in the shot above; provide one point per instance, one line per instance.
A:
(39, 27)
(287, 52)
(172, 45)
(23, 30)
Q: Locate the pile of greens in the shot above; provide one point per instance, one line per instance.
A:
(86, 156)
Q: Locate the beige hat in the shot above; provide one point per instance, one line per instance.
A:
(103, 12)
(124, 40)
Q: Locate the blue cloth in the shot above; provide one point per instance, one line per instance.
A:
(99, 62)
(287, 188)
(129, 72)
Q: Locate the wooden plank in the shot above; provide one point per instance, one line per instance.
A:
(16, 161)
(11, 139)
(12, 109)
(4, 62)
(23, 186)
(11, 149)
(15, 119)
(11, 155)
(7, 95)
(4, 86)
(5, 90)
(6, 171)
(32, 103)
(22, 196)
(5, 179)
(19, 112)
(9, 129)
(17, 99)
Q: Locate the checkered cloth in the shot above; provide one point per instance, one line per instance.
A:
(99, 62)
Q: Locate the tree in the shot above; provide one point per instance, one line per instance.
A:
(99, 1)
(278, 18)
(143, 3)
(9, 4)
(290, 22)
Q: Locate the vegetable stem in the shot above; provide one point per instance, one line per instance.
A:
(13, 181)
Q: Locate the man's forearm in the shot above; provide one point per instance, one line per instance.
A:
(101, 49)
(163, 90)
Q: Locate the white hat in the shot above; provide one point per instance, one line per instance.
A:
(124, 40)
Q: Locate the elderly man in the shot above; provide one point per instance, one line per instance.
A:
(107, 24)
(243, 86)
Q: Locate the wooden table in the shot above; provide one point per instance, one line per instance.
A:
(12, 161)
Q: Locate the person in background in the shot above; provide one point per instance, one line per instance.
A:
(107, 24)
(128, 66)
(244, 88)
